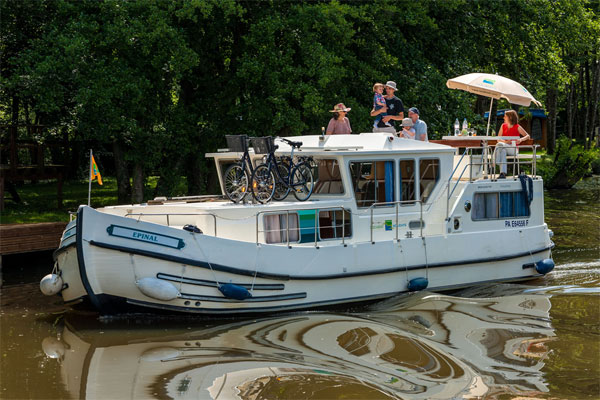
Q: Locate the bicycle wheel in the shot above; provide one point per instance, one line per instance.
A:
(282, 187)
(262, 184)
(302, 181)
(235, 182)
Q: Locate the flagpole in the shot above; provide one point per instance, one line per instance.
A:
(90, 180)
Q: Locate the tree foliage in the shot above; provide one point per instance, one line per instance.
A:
(155, 84)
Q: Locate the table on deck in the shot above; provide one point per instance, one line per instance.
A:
(483, 142)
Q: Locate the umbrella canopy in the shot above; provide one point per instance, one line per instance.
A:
(494, 86)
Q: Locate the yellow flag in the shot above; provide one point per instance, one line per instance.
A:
(95, 172)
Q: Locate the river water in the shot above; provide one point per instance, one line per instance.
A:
(539, 340)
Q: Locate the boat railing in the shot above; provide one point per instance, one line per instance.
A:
(298, 229)
(396, 204)
(481, 163)
(168, 215)
(517, 159)
(478, 163)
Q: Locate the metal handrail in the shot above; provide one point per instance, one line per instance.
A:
(140, 215)
(468, 151)
(396, 203)
(515, 161)
(287, 225)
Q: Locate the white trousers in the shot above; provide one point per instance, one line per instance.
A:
(503, 150)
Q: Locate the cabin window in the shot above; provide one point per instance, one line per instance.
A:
(501, 205)
(328, 178)
(334, 224)
(407, 180)
(373, 182)
(429, 171)
(276, 227)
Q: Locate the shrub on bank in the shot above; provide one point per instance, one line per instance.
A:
(568, 165)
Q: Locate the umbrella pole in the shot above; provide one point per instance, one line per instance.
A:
(487, 132)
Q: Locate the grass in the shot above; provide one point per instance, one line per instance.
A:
(39, 204)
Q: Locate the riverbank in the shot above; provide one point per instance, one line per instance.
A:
(38, 200)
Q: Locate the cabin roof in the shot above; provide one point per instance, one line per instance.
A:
(364, 143)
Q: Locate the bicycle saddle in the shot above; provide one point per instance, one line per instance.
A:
(293, 144)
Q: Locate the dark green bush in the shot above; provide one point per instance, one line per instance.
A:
(569, 163)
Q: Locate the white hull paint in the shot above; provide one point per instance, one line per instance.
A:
(105, 253)
(280, 278)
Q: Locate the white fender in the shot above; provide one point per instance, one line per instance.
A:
(51, 284)
(157, 289)
(53, 347)
(160, 354)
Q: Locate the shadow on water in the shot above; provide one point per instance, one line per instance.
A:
(539, 340)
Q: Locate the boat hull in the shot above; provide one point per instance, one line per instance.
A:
(111, 257)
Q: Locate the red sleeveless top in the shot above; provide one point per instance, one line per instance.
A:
(512, 131)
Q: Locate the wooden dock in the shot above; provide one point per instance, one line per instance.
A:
(26, 238)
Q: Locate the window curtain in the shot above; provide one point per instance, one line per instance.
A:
(479, 206)
(521, 206)
(491, 205)
(389, 181)
(272, 228)
(506, 205)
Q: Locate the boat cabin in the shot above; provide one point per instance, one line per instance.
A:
(371, 178)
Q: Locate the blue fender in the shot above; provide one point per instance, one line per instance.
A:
(233, 291)
(544, 266)
(417, 284)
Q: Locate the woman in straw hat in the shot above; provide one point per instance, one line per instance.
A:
(339, 124)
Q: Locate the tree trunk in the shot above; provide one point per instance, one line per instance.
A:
(570, 95)
(595, 99)
(551, 97)
(15, 111)
(138, 183)
(193, 175)
(122, 172)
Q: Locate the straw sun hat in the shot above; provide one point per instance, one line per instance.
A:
(340, 107)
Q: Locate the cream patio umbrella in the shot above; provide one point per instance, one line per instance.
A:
(494, 86)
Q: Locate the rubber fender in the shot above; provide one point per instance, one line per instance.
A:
(51, 284)
(53, 348)
(417, 284)
(157, 289)
(236, 292)
(544, 266)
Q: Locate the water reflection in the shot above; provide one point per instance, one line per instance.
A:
(420, 346)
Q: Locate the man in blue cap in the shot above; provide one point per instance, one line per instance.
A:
(419, 126)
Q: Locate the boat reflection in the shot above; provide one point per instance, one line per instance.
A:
(420, 346)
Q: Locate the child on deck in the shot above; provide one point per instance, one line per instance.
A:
(379, 103)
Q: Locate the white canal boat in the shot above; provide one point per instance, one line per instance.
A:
(386, 216)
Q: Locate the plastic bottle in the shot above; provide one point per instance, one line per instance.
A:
(456, 128)
(465, 127)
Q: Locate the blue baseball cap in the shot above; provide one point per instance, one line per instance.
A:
(414, 110)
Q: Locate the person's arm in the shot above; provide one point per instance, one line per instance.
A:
(330, 127)
(349, 127)
(394, 117)
(500, 131)
(422, 134)
(524, 134)
(374, 112)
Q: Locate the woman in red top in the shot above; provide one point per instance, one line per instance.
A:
(510, 127)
